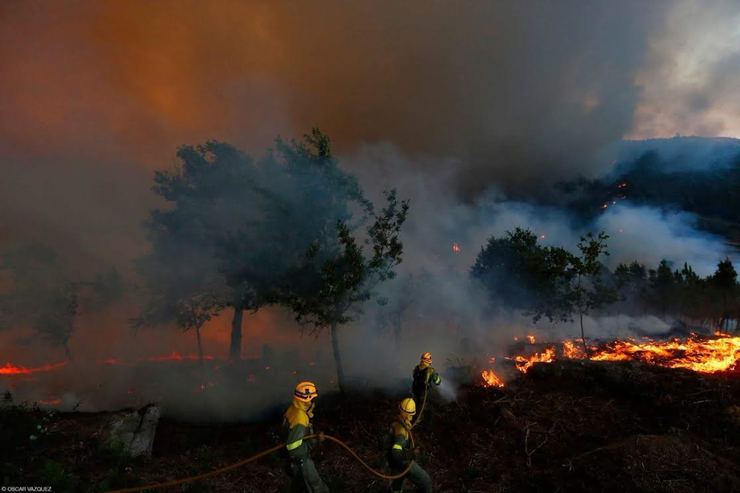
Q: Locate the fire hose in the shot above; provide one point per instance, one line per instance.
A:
(259, 455)
(421, 410)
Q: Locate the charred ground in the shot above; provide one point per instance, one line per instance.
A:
(565, 426)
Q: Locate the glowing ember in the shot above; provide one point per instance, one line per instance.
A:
(531, 339)
(110, 361)
(50, 402)
(456, 248)
(175, 356)
(10, 369)
(205, 386)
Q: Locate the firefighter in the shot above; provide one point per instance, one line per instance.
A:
(424, 376)
(296, 425)
(402, 451)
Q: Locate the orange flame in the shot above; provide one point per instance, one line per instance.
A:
(490, 379)
(705, 356)
(524, 363)
(11, 370)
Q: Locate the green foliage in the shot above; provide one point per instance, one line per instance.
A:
(546, 281)
(518, 273)
(337, 278)
(237, 229)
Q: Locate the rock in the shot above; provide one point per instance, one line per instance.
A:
(134, 432)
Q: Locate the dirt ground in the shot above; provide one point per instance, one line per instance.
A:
(566, 426)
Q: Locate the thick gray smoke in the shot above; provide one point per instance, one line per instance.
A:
(460, 106)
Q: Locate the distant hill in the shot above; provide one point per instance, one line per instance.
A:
(694, 174)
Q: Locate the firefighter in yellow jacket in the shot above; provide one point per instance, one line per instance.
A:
(424, 376)
(402, 451)
(296, 425)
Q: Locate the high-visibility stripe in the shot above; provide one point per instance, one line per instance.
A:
(397, 446)
(294, 445)
(437, 379)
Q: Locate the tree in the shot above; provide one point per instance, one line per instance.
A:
(691, 293)
(724, 280)
(631, 282)
(663, 287)
(183, 268)
(237, 228)
(588, 290)
(40, 293)
(518, 273)
(337, 277)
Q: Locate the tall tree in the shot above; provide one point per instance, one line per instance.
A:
(589, 288)
(724, 280)
(663, 286)
(235, 228)
(519, 273)
(40, 293)
(339, 276)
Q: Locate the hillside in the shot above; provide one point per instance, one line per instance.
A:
(566, 426)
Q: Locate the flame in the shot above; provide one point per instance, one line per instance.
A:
(573, 350)
(531, 339)
(524, 363)
(456, 247)
(10, 369)
(490, 379)
(701, 355)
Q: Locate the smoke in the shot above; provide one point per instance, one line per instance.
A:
(468, 109)
(691, 73)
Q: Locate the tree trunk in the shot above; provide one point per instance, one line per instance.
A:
(200, 345)
(235, 350)
(337, 357)
(583, 335)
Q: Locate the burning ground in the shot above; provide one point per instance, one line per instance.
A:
(569, 425)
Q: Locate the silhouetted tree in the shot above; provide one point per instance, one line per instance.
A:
(518, 273)
(724, 280)
(236, 229)
(41, 294)
(589, 289)
(338, 276)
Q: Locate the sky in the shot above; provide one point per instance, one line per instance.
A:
(506, 95)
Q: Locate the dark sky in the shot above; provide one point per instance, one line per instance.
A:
(95, 95)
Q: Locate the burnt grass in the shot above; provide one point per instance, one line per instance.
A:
(566, 426)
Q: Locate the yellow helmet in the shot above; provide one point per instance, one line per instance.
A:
(306, 391)
(408, 406)
(426, 358)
